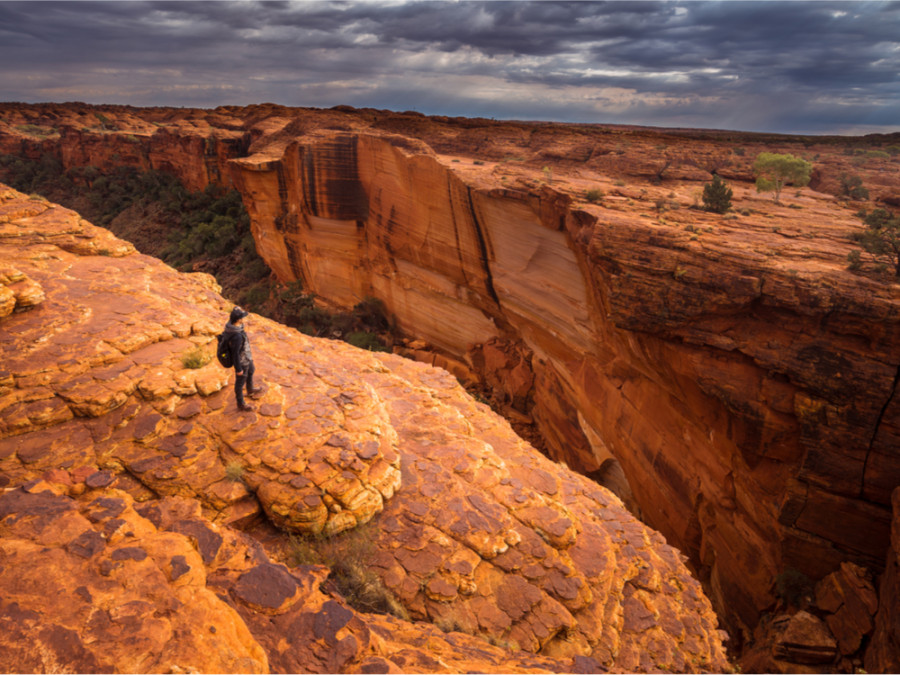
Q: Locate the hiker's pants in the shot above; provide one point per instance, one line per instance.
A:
(241, 380)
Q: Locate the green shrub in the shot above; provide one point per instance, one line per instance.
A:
(255, 296)
(366, 340)
(852, 187)
(854, 260)
(717, 195)
(594, 196)
(881, 238)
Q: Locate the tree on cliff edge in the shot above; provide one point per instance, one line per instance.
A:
(881, 238)
(774, 171)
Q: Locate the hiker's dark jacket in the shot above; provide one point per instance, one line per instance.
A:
(239, 346)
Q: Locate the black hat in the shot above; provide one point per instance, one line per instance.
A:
(237, 314)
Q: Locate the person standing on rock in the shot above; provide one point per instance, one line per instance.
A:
(241, 356)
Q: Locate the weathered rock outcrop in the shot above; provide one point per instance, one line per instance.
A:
(741, 377)
(130, 471)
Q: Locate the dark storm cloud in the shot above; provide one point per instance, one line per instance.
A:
(782, 66)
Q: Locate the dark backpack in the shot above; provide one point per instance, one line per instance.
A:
(223, 351)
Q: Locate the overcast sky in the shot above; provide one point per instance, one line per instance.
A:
(796, 67)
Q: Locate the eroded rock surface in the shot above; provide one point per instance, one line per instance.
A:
(118, 447)
(100, 583)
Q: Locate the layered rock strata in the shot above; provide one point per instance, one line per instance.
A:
(752, 351)
(124, 464)
(741, 378)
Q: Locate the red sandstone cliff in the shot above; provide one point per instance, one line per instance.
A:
(120, 500)
(744, 380)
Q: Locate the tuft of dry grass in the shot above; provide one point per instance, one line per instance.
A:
(234, 472)
(347, 555)
(195, 358)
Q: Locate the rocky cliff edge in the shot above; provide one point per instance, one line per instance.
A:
(127, 476)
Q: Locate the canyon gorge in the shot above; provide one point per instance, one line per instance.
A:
(726, 375)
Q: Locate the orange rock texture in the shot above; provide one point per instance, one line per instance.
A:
(741, 376)
(125, 475)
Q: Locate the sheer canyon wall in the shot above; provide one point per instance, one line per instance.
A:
(748, 406)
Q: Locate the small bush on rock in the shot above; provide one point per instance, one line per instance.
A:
(852, 187)
(195, 358)
(717, 196)
(594, 196)
(881, 238)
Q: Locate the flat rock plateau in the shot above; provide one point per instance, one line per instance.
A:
(731, 372)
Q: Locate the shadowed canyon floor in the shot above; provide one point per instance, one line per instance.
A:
(741, 379)
(117, 516)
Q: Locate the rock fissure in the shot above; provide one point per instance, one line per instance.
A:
(484, 258)
(877, 427)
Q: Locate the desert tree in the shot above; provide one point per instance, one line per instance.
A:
(773, 171)
(881, 238)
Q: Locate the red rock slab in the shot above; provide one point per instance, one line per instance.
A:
(111, 350)
(59, 573)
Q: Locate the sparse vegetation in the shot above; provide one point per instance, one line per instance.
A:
(366, 340)
(182, 228)
(852, 187)
(361, 327)
(348, 556)
(195, 358)
(773, 171)
(594, 196)
(717, 196)
(548, 174)
(35, 130)
(881, 239)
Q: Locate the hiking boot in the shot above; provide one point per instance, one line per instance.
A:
(244, 407)
(256, 392)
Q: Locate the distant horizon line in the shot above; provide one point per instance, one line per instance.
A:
(339, 106)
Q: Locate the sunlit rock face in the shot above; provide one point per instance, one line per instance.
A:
(127, 471)
(742, 379)
(748, 403)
